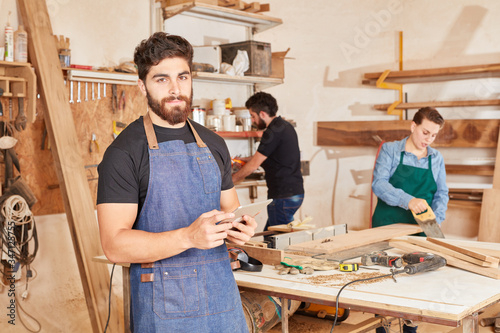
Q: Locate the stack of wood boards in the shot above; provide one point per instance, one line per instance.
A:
(469, 259)
(356, 239)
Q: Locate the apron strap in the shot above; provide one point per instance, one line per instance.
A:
(199, 141)
(151, 136)
(150, 132)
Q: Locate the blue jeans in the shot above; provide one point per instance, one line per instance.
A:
(281, 211)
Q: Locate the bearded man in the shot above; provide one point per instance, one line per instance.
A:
(164, 184)
(279, 155)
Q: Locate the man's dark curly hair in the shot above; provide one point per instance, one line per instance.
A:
(262, 101)
(158, 47)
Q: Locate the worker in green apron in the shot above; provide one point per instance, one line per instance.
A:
(408, 175)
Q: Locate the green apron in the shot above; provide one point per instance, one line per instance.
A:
(415, 181)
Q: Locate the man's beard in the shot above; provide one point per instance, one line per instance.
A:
(261, 124)
(173, 115)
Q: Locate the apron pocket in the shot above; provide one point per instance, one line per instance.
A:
(175, 292)
(222, 291)
(210, 173)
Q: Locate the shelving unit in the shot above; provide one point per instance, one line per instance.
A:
(247, 134)
(257, 22)
(18, 80)
(259, 82)
(436, 75)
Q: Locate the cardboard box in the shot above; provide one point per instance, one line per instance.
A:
(259, 55)
(278, 64)
(208, 55)
(167, 3)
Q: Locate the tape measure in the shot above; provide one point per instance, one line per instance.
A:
(348, 267)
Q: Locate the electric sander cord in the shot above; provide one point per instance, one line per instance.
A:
(360, 280)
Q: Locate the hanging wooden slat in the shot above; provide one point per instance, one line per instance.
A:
(69, 164)
(440, 104)
(464, 133)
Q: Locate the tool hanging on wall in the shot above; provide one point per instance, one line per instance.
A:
(104, 90)
(71, 92)
(21, 120)
(122, 102)
(86, 91)
(98, 90)
(114, 98)
(118, 128)
(78, 100)
(93, 142)
(1, 107)
(93, 98)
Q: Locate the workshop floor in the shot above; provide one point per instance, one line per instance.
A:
(305, 324)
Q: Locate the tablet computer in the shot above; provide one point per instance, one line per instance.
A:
(251, 210)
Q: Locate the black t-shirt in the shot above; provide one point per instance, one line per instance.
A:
(124, 169)
(281, 146)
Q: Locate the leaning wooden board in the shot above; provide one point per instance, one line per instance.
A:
(360, 238)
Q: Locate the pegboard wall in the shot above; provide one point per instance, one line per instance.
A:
(94, 116)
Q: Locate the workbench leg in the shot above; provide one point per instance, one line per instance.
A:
(126, 298)
(284, 315)
(470, 324)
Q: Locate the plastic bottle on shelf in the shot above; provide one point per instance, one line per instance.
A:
(9, 41)
(21, 45)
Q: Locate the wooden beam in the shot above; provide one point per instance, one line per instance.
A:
(440, 104)
(463, 250)
(69, 164)
(437, 74)
(265, 255)
(359, 238)
(465, 133)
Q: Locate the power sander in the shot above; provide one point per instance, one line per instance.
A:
(381, 258)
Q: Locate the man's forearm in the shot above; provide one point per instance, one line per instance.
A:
(242, 173)
(138, 246)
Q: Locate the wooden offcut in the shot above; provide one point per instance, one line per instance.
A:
(359, 238)
(451, 261)
(463, 250)
(464, 133)
(265, 255)
(69, 165)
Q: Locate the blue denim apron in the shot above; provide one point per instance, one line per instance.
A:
(193, 291)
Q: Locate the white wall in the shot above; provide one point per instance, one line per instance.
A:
(333, 44)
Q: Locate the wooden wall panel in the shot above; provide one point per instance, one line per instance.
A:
(37, 165)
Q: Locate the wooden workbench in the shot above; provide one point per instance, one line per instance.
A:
(448, 296)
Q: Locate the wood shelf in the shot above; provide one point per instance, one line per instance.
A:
(257, 22)
(247, 134)
(18, 80)
(436, 74)
(441, 104)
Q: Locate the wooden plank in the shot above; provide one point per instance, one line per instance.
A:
(69, 165)
(489, 220)
(253, 7)
(474, 133)
(440, 104)
(421, 241)
(463, 250)
(451, 261)
(437, 74)
(265, 255)
(264, 7)
(359, 238)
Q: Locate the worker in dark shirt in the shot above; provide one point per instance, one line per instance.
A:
(279, 155)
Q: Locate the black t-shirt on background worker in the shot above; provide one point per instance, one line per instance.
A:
(279, 144)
